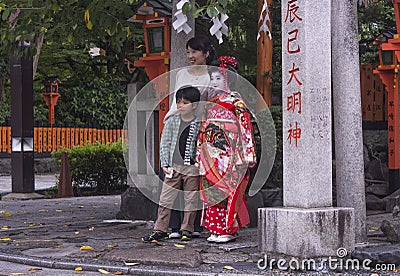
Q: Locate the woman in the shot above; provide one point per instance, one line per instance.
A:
(200, 52)
(225, 152)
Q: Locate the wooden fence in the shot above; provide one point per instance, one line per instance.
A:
(373, 95)
(47, 139)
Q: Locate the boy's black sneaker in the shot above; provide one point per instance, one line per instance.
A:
(156, 235)
(185, 235)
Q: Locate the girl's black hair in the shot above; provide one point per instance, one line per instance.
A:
(203, 43)
(189, 93)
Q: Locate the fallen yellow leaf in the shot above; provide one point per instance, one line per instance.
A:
(58, 200)
(103, 271)
(229, 267)
(179, 245)
(7, 214)
(112, 245)
(86, 247)
(158, 243)
(91, 228)
(77, 233)
(5, 227)
(5, 239)
(18, 273)
(43, 210)
(78, 268)
(32, 224)
(58, 210)
(130, 264)
(34, 269)
(118, 273)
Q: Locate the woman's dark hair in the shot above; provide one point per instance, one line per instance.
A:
(203, 43)
(189, 93)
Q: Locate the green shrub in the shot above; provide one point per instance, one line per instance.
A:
(276, 175)
(4, 112)
(96, 169)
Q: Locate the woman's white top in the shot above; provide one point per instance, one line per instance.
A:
(184, 78)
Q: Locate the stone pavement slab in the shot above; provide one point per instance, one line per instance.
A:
(42, 181)
(51, 232)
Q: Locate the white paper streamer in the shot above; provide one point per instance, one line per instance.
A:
(264, 20)
(94, 52)
(219, 27)
(180, 23)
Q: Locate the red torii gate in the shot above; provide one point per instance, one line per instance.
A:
(388, 71)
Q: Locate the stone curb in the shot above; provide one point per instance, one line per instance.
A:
(93, 267)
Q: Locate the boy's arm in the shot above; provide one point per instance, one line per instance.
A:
(165, 144)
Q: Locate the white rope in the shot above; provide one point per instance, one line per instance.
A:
(264, 20)
(180, 23)
(219, 27)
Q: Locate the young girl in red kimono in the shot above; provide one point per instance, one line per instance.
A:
(225, 152)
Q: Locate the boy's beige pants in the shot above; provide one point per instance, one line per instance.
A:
(186, 177)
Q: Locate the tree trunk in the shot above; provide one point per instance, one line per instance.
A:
(38, 42)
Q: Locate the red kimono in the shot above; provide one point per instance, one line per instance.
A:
(225, 152)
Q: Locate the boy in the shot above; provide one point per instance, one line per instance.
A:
(177, 158)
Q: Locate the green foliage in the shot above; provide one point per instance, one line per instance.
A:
(372, 20)
(100, 102)
(66, 20)
(96, 169)
(4, 112)
(275, 178)
(68, 36)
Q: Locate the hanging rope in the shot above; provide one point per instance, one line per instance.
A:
(264, 18)
(180, 23)
(219, 27)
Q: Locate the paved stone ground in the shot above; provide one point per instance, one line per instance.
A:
(42, 181)
(50, 233)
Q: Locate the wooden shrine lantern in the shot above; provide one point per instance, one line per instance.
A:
(51, 96)
(156, 22)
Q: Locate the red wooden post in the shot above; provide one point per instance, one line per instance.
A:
(264, 59)
(388, 71)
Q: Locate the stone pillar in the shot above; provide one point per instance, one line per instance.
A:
(22, 173)
(307, 225)
(347, 113)
(142, 121)
(178, 46)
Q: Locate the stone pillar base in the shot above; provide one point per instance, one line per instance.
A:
(21, 196)
(305, 233)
